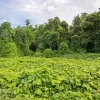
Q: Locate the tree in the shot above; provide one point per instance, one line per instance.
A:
(76, 25)
(24, 38)
(6, 25)
(6, 35)
(28, 22)
(75, 44)
(63, 30)
(48, 53)
(91, 29)
(84, 33)
(51, 39)
(83, 17)
(53, 24)
(40, 47)
(6, 32)
(63, 48)
(10, 50)
(56, 23)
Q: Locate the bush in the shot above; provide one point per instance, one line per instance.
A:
(82, 50)
(48, 53)
(38, 54)
(75, 45)
(10, 50)
(2, 44)
(55, 53)
(40, 47)
(63, 48)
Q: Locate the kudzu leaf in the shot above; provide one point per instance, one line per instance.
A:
(38, 92)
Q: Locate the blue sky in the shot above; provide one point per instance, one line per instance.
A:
(39, 11)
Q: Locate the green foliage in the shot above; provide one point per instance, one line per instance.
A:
(24, 37)
(40, 47)
(38, 54)
(47, 53)
(75, 45)
(6, 25)
(76, 21)
(55, 53)
(10, 50)
(28, 22)
(30, 78)
(63, 48)
(76, 28)
(6, 32)
(2, 44)
(82, 35)
(91, 28)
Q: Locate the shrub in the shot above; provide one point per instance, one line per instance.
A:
(63, 48)
(75, 45)
(10, 50)
(82, 50)
(48, 53)
(55, 53)
(40, 47)
(38, 54)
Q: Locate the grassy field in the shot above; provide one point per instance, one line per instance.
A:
(75, 77)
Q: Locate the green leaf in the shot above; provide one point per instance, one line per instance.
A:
(39, 92)
(38, 82)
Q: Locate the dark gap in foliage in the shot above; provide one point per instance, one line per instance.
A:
(32, 47)
(47, 46)
(54, 47)
(90, 47)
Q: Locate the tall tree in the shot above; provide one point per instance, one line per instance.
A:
(91, 29)
(28, 22)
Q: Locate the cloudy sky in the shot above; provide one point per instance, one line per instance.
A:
(39, 11)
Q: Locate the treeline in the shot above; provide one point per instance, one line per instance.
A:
(51, 38)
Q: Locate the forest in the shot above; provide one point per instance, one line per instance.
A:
(54, 37)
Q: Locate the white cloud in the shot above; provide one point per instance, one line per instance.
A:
(51, 8)
(33, 7)
(96, 4)
(25, 5)
(40, 11)
(53, 5)
(62, 1)
(4, 20)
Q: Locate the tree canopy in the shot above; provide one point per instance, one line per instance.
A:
(84, 33)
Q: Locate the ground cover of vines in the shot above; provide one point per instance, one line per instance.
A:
(35, 78)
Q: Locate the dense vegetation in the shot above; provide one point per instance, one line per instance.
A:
(55, 35)
(29, 78)
(72, 74)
